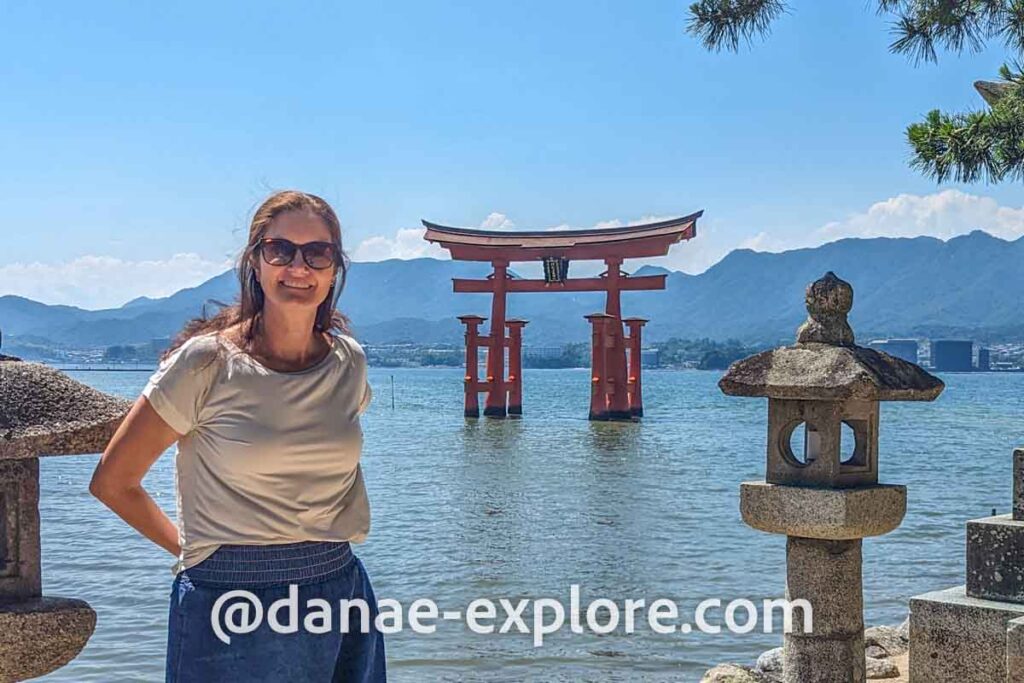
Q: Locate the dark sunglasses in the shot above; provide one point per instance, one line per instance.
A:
(278, 251)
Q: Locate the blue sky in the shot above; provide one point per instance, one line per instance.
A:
(137, 137)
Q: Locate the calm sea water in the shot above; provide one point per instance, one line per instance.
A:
(524, 508)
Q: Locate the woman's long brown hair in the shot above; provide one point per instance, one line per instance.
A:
(248, 307)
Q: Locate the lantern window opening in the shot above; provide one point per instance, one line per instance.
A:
(803, 438)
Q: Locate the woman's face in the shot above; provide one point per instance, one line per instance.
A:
(295, 284)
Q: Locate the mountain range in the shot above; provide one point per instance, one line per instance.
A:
(968, 286)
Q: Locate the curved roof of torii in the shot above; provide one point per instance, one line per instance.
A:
(634, 241)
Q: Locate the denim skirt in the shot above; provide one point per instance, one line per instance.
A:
(245, 614)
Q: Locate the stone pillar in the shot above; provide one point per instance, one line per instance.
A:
(828, 575)
(973, 633)
(44, 413)
(822, 496)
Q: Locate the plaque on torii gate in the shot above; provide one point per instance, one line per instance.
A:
(616, 387)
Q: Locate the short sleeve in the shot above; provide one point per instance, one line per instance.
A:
(178, 388)
(367, 398)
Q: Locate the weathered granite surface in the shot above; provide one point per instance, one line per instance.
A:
(20, 561)
(881, 668)
(889, 661)
(955, 638)
(827, 574)
(733, 673)
(828, 301)
(45, 412)
(40, 635)
(995, 558)
(827, 372)
(885, 641)
(834, 514)
(1015, 650)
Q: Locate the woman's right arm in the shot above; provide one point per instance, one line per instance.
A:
(117, 481)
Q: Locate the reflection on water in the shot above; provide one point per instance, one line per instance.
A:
(524, 508)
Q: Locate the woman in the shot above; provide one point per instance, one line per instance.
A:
(264, 401)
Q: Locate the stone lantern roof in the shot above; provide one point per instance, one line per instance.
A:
(45, 412)
(825, 364)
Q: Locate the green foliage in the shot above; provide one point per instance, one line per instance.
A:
(920, 26)
(976, 145)
(575, 355)
(703, 354)
(722, 23)
(966, 147)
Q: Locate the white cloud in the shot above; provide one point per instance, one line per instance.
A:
(616, 223)
(944, 215)
(105, 281)
(497, 221)
(408, 243)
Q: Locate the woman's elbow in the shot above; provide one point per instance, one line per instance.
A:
(104, 487)
(99, 487)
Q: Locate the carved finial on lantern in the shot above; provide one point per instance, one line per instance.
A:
(828, 300)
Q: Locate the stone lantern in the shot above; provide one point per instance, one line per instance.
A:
(42, 412)
(824, 494)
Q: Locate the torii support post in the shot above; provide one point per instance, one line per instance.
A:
(615, 359)
(600, 387)
(636, 394)
(472, 382)
(497, 393)
(515, 366)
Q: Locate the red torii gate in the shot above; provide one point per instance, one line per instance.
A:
(616, 389)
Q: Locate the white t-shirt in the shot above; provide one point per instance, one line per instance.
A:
(267, 457)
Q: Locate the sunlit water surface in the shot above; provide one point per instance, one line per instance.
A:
(464, 509)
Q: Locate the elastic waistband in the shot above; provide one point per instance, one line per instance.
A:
(254, 566)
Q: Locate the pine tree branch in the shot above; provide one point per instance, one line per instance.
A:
(971, 146)
(722, 24)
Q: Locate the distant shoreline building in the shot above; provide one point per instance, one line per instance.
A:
(898, 348)
(952, 355)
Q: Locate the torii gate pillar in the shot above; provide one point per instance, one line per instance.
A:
(636, 394)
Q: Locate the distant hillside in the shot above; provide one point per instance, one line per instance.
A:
(971, 285)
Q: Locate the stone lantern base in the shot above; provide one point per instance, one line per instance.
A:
(830, 514)
(975, 633)
(955, 638)
(40, 635)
